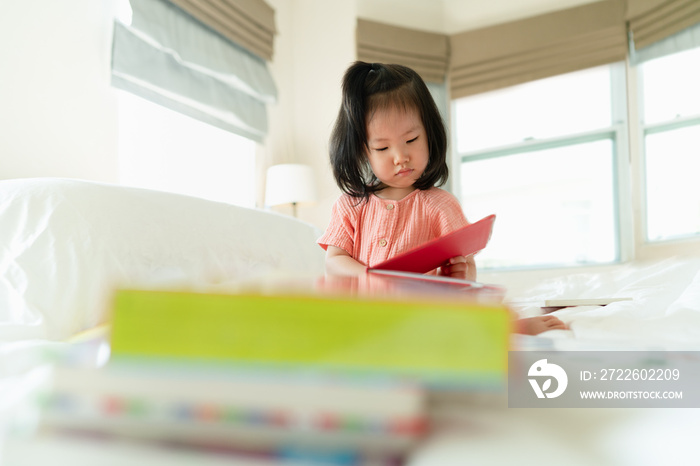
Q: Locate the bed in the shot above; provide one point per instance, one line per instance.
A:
(67, 243)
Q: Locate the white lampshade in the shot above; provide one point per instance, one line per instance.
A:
(289, 183)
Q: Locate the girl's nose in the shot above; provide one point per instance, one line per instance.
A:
(400, 157)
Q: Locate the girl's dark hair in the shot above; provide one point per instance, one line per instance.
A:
(368, 87)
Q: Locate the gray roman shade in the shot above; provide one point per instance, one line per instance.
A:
(537, 47)
(425, 52)
(169, 57)
(248, 23)
(653, 20)
(661, 27)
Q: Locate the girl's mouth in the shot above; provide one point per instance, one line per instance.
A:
(405, 172)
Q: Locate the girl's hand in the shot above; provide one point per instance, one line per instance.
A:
(460, 267)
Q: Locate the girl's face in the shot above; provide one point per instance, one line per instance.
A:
(398, 150)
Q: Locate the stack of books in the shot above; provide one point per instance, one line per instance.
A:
(327, 379)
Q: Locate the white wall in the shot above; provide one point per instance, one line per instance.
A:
(314, 46)
(57, 111)
(452, 16)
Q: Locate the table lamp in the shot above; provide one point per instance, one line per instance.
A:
(289, 183)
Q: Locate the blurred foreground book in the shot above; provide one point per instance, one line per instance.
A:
(435, 342)
(316, 378)
(329, 420)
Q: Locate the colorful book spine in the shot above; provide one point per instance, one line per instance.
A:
(214, 409)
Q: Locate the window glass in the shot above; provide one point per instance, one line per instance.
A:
(670, 96)
(672, 185)
(671, 87)
(553, 207)
(566, 104)
(542, 156)
(165, 150)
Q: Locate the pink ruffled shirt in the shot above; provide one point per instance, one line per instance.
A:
(378, 229)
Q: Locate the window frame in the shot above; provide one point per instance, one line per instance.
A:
(645, 249)
(617, 133)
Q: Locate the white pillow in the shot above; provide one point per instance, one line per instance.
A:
(66, 244)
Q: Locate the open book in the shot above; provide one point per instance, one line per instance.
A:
(433, 254)
(551, 305)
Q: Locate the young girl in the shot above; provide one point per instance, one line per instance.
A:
(388, 152)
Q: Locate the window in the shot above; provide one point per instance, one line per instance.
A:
(165, 150)
(544, 157)
(670, 122)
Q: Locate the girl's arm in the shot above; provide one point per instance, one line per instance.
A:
(339, 262)
(460, 267)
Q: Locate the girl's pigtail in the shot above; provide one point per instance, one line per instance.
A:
(355, 99)
(349, 137)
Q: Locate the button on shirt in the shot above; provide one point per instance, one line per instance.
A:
(377, 229)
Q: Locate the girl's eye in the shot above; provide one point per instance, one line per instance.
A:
(380, 149)
(408, 142)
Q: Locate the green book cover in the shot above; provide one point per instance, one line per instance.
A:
(439, 341)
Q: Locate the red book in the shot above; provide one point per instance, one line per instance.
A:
(431, 255)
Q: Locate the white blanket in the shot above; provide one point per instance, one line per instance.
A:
(663, 313)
